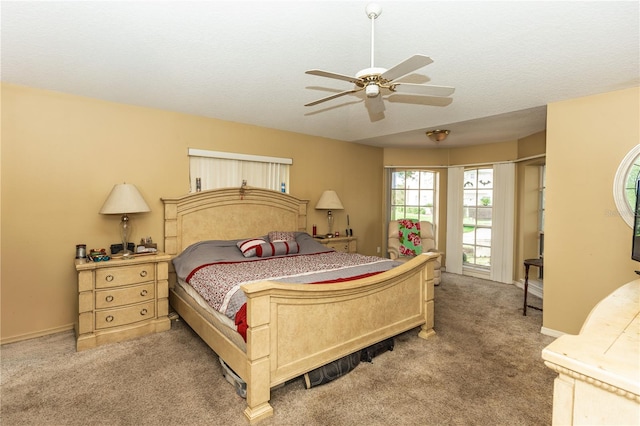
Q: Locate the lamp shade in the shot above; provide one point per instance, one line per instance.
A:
(124, 198)
(329, 201)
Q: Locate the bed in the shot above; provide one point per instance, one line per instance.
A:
(292, 328)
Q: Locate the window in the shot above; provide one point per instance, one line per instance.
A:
(413, 195)
(477, 217)
(630, 183)
(624, 185)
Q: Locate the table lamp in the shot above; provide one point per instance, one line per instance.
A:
(124, 199)
(329, 201)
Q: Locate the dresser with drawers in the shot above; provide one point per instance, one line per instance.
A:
(121, 299)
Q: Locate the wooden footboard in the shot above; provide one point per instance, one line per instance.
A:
(296, 328)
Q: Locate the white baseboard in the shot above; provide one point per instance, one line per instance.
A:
(476, 272)
(551, 332)
(535, 287)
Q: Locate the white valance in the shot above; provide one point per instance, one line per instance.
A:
(217, 169)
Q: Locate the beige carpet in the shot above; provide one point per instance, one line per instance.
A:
(483, 367)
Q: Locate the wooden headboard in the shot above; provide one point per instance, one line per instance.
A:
(229, 213)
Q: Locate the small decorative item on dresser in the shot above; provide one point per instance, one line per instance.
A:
(147, 246)
(81, 251)
(98, 255)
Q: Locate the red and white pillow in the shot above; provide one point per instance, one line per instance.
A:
(279, 243)
(248, 247)
(278, 248)
(277, 236)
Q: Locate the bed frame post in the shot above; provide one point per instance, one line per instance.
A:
(426, 330)
(258, 360)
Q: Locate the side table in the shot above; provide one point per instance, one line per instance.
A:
(527, 264)
(343, 244)
(121, 299)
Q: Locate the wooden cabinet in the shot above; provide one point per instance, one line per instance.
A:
(343, 244)
(598, 369)
(121, 299)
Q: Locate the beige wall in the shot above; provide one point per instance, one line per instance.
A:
(62, 154)
(587, 243)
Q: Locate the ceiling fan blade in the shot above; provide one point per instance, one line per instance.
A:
(405, 67)
(422, 89)
(328, 74)
(328, 98)
(375, 105)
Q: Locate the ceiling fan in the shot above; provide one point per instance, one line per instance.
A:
(376, 81)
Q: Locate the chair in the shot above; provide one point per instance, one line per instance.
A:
(428, 242)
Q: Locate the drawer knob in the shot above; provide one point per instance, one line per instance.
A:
(109, 318)
(143, 312)
(143, 274)
(109, 278)
(143, 293)
(109, 298)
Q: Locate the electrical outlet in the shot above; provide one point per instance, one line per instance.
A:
(377, 249)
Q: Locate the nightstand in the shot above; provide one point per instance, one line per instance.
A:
(121, 299)
(343, 244)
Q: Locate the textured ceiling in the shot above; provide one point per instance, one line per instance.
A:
(246, 61)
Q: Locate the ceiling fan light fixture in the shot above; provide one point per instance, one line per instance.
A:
(438, 135)
(372, 90)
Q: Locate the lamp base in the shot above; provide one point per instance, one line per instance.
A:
(125, 231)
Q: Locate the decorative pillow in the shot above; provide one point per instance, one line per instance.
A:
(279, 248)
(276, 236)
(409, 235)
(248, 247)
